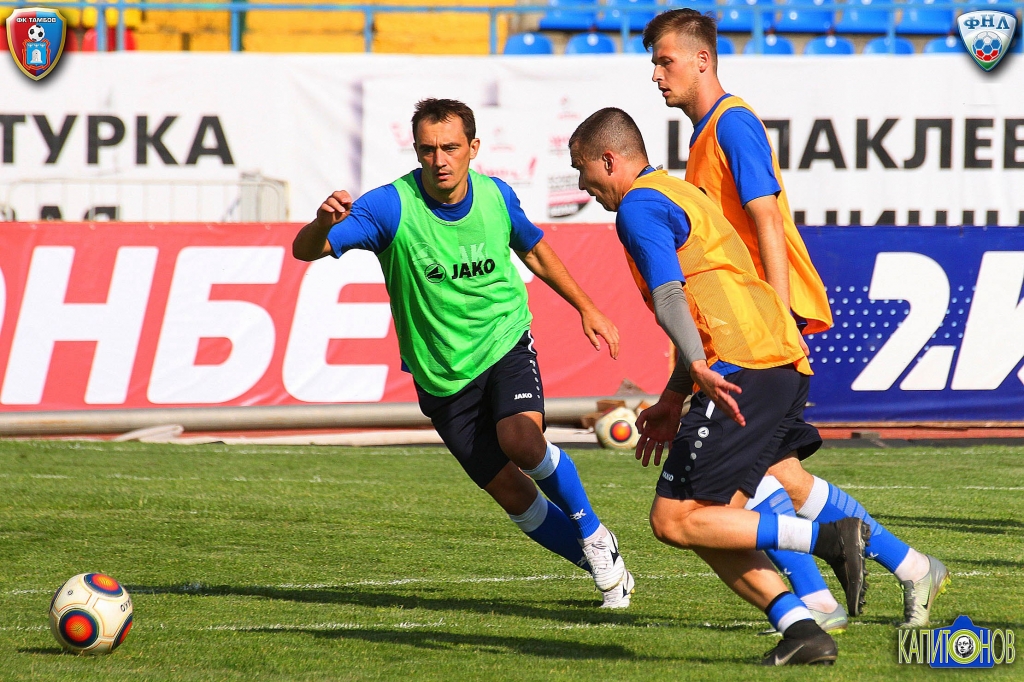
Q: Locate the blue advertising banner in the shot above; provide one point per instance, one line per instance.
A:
(929, 324)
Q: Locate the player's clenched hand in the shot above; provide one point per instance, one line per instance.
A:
(717, 389)
(657, 426)
(595, 324)
(334, 209)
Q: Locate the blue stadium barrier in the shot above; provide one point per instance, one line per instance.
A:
(944, 45)
(769, 44)
(794, 20)
(576, 19)
(725, 46)
(529, 43)
(590, 43)
(886, 46)
(920, 18)
(829, 45)
(635, 13)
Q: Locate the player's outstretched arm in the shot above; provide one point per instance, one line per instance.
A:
(311, 241)
(545, 263)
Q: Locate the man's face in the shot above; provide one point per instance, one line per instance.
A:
(444, 152)
(595, 179)
(677, 61)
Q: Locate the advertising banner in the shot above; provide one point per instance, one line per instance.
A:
(910, 140)
(929, 322)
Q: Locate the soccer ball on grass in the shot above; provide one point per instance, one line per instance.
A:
(91, 614)
(616, 430)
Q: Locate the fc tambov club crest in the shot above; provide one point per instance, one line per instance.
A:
(35, 36)
(987, 34)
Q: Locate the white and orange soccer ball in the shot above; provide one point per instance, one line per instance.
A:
(616, 430)
(91, 614)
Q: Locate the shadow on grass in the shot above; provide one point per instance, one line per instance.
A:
(993, 563)
(446, 641)
(45, 651)
(382, 599)
(983, 526)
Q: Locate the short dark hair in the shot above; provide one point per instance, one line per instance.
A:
(688, 22)
(608, 129)
(434, 110)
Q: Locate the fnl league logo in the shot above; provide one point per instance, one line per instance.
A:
(987, 34)
(36, 38)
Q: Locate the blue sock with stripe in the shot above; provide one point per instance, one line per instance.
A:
(560, 482)
(800, 569)
(785, 610)
(549, 527)
(828, 503)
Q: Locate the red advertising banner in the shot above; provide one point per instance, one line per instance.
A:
(118, 315)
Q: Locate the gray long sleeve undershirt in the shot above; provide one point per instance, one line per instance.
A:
(673, 315)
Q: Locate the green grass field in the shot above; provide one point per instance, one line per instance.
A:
(321, 563)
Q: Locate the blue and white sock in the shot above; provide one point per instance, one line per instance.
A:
(800, 569)
(558, 479)
(827, 503)
(549, 527)
(785, 610)
(785, 532)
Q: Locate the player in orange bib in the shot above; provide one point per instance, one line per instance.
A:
(732, 160)
(739, 344)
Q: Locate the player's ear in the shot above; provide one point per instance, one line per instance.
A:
(609, 160)
(474, 147)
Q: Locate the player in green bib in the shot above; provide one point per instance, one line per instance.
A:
(443, 234)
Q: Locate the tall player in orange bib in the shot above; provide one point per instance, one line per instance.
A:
(739, 344)
(732, 160)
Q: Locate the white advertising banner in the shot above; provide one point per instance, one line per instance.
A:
(925, 139)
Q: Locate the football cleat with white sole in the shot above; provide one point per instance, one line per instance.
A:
(606, 564)
(835, 622)
(919, 595)
(619, 596)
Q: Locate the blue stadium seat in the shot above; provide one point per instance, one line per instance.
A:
(881, 46)
(642, 12)
(733, 20)
(771, 44)
(947, 44)
(528, 43)
(725, 46)
(857, 18)
(635, 45)
(804, 20)
(828, 45)
(590, 43)
(560, 20)
(919, 19)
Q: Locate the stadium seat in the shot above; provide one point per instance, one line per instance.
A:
(772, 44)
(725, 46)
(733, 20)
(436, 31)
(529, 43)
(857, 18)
(943, 45)
(793, 20)
(90, 37)
(301, 42)
(919, 19)
(89, 17)
(642, 11)
(590, 43)
(635, 45)
(829, 45)
(881, 46)
(560, 20)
